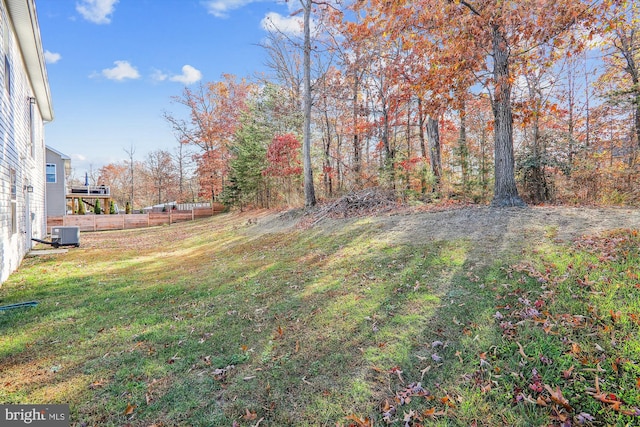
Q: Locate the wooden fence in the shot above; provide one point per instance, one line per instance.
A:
(127, 221)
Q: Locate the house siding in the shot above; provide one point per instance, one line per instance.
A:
(56, 191)
(18, 153)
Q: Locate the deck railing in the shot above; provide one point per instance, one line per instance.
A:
(90, 190)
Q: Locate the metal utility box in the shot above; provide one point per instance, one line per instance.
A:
(65, 236)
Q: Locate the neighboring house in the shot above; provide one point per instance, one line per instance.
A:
(57, 169)
(25, 105)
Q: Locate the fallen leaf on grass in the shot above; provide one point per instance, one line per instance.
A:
(584, 417)
(615, 316)
(408, 417)
(431, 412)
(359, 422)
(521, 351)
(388, 411)
(567, 374)
(427, 369)
(279, 332)
(396, 370)
(130, 409)
(446, 400)
(97, 384)
(249, 416)
(557, 397)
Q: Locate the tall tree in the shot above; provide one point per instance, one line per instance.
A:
(623, 61)
(214, 116)
(130, 152)
(490, 38)
(309, 189)
(162, 174)
(116, 177)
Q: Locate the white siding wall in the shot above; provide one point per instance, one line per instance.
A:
(16, 152)
(56, 192)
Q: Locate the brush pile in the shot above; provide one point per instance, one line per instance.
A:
(370, 201)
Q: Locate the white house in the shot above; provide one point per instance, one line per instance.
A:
(25, 105)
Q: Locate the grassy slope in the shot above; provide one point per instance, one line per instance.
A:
(203, 324)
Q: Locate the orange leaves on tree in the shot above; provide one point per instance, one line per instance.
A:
(283, 155)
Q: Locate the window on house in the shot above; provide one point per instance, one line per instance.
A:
(51, 172)
(13, 180)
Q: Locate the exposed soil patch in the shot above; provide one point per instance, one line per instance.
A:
(493, 231)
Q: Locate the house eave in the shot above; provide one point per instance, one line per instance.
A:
(25, 23)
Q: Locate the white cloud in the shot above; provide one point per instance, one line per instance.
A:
(96, 11)
(221, 8)
(51, 58)
(273, 21)
(159, 76)
(189, 75)
(122, 71)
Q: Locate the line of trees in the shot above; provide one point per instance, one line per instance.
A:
(161, 177)
(486, 101)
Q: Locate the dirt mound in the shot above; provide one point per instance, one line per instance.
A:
(491, 230)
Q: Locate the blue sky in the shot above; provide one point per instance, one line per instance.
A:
(113, 66)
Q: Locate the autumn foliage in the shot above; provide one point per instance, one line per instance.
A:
(283, 156)
(478, 101)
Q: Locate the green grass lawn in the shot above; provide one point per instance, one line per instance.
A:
(205, 324)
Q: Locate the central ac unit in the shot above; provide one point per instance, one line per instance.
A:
(65, 236)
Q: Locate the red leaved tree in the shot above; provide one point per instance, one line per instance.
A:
(283, 157)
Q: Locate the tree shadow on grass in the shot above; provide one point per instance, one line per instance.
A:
(298, 328)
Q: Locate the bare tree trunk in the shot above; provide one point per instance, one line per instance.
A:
(130, 152)
(433, 139)
(464, 150)
(309, 190)
(505, 190)
(389, 154)
(423, 147)
(356, 139)
(328, 184)
(636, 113)
(483, 163)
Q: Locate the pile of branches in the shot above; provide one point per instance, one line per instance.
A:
(365, 202)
